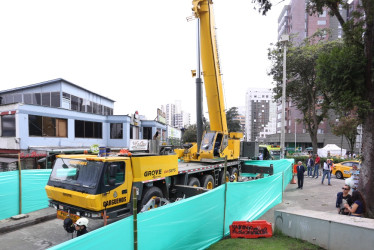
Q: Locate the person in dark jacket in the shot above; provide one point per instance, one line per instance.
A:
(343, 198)
(81, 226)
(300, 174)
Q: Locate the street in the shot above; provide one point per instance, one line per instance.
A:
(41, 236)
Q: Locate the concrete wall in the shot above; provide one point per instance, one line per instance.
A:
(327, 230)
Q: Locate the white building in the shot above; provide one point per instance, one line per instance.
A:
(182, 119)
(175, 116)
(260, 114)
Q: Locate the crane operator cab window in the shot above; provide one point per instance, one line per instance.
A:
(114, 174)
(217, 144)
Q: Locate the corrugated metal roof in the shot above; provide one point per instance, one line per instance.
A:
(50, 82)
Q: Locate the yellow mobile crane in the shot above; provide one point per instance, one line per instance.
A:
(217, 143)
(101, 187)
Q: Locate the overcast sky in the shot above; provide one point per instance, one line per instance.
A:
(138, 53)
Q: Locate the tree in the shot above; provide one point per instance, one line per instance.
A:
(232, 124)
(190, 134)
(355, 83)
(306, 93)
(347, 127)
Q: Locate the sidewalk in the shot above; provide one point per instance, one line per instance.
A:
(8, 225)
(314, 196)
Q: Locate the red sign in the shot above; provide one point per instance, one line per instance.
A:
(250, 230)
(32, 155)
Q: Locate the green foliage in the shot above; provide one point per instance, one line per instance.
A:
(190, 134)
(347, 127)
(264, 6)
(232, 125)
(306, 92)
(304, 159)
(341, 73)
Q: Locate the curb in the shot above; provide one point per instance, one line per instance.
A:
(26, 223)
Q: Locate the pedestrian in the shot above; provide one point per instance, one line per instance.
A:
(310, 165)
(355, 175)
(260, 156)
(155, 137)
(316, 166)
(326, 171)
(358, 207)
(343, 198)
(300, 175)
(81, 226)
(354, 155)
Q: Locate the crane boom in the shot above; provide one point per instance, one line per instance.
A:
(203, 9)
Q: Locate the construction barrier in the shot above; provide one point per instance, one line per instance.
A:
(193, 223)
(33, 196)
(251, 230)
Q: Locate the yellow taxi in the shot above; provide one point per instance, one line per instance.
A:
(342, 170)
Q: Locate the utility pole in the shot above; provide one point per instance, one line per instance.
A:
(284, 40)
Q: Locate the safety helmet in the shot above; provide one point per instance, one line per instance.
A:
(82, 222)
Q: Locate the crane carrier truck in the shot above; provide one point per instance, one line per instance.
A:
(97, 187)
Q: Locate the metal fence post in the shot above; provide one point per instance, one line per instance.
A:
(135, 217)
(224, 204)
(20, 183)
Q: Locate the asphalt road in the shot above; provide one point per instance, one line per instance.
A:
(41, 236)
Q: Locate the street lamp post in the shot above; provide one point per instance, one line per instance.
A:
(284, 40)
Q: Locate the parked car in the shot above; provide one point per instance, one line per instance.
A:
(343, 169)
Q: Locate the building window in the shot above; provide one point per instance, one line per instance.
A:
(8, 126)
(44, 126)
(55, 99)
(147, 133)
(37, 99)
(46, 99)
(321, 22)
(116, 131)
(27, 98)
(86, 129)
(17, 98)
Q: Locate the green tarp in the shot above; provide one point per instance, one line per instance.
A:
(193, 223)
(34, 196)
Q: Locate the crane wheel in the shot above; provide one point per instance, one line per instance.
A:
(207, 181)
(193, 182)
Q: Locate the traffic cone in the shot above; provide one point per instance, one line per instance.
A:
(293, 180)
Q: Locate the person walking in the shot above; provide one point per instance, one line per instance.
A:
(300, 175)
(310, 165)
(326, 171)
(316, 166)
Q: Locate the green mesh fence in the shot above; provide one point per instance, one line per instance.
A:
(193, 223)
(34, 196)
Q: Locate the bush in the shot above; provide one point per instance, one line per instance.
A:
(304, 159)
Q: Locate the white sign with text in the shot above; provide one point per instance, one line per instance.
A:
(138, 145)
